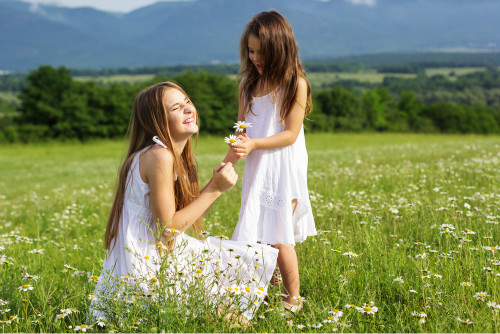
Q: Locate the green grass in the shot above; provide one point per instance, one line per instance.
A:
(384, 197)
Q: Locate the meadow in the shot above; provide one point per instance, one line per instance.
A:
(408, 237)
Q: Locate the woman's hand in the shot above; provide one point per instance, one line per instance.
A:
(224, 177)
(244, 146)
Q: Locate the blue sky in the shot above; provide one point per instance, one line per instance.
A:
(108, 5)
(129, 5)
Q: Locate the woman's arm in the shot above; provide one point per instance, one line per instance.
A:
(157, 169)
(293, 124)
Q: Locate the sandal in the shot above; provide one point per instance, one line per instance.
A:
(276, 279)
(293, 309)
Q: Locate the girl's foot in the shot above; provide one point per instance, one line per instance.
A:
(293, 309)
(276, 279)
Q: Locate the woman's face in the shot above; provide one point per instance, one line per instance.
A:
(254, 52)
(181, 114)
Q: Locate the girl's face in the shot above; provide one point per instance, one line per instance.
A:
(254, 52)
(181, 114)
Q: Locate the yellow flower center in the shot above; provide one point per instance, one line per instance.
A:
(232, 140)
(94, 277)
(256, 265)
(242, 126)
(335, 311)
(422, 312)
(25, 286)
(158, 244)
(247, 289)
(198, 271)
(493, 248)
(261, 288)
(83, 326)
(367, 308)
(127, 277)
(154, 280)
(146, 257)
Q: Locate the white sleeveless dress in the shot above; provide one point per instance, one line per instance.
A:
(272, 179)
(224, 266)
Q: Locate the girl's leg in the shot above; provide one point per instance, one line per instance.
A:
(287, 262)
(289, 268)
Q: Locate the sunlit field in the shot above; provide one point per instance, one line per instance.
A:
(409, 238)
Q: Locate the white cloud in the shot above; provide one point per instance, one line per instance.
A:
(369, 3)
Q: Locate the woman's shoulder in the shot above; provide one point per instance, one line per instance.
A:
(155, 159)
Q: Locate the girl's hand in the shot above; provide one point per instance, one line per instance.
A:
(244, 146)
(224, 177)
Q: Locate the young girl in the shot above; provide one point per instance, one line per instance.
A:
(158, 198)
(274, 97)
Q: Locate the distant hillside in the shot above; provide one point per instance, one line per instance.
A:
(208, 31)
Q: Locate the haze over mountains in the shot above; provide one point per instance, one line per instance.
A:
(208, 31)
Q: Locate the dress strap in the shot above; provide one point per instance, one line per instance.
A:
(159, 142)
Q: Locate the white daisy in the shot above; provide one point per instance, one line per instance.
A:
(240, 126)
(232, 140)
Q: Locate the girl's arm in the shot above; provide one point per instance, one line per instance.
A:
(157, 169)
(293, 124)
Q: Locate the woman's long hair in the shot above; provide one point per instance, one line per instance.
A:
(149, 119)
(280, 55)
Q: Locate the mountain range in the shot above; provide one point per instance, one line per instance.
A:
(208, 31)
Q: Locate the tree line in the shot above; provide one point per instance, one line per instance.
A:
(54, 105)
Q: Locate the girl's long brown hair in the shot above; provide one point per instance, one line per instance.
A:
(149, 119)
(280, 55)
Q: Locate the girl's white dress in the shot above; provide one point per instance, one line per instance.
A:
(227, 267)
(272, 179)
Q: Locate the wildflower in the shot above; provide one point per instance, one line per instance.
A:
(438, 276)
(465, 322)
(413, 291)
(336, 313)
(61, 316)
(330, 320)
(14, 318)
(420, 314)
(92, 297)
(491, 248)
(492, 305)
(25, 287)
(154, 280)
(350, 254)
(480, 295)
(232, 140)
(93, 278)
(467, 231)
(28, 276)
(350, 306)
(318, 326)
(466, 284)
(398, 279)
(422, 255)
(82, 328)
(299, 299)
(100, 322)
(3, 302)
(5, 310)
(300, 326)
(367, 309)
(394, 210)
(240, 126)
(421, 320)
(37, 251)
(289, 323)
(235, 289)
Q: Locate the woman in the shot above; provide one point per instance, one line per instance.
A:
(157, 200)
